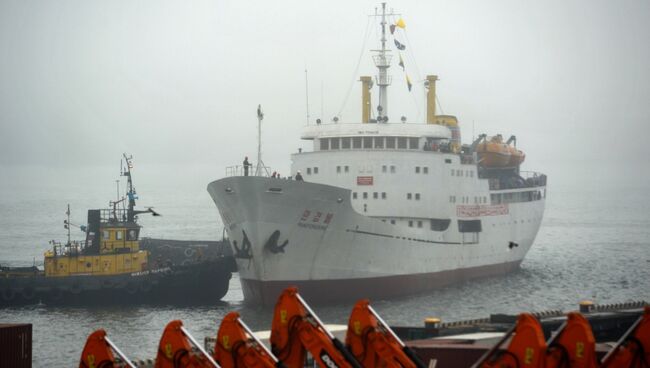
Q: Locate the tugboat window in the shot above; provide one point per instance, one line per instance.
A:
(132, 235)
(105, 235)
(118, 235)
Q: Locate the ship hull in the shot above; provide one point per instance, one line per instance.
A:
(332, 291)
(196, 283)
(286, 233)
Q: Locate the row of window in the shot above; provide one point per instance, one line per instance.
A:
(375, 195)
(131, 234)
(466, 199)
(468, 173)
(464, 226)
(529, 196)
(393, 169)
(412, 195)
(369, 143)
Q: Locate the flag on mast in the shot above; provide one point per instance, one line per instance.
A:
(408, 83)
(260, 114)
(399, 45)
(401, 62)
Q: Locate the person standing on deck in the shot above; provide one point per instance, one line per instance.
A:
(299, 176)
(246, 165)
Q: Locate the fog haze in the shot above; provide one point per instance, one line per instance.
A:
(179, 82)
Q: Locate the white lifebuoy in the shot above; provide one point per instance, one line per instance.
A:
(189, 252)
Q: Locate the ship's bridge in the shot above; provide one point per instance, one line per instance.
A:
(335, 130)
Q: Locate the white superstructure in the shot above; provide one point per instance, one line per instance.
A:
(384, 209)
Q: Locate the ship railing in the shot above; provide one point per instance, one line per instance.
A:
(525, 179)
(238, 170)
(72, 248)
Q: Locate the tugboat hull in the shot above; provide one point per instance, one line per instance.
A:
(202, 282)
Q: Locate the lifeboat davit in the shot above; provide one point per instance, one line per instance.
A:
(494, 153)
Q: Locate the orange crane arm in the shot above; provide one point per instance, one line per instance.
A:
(633, 349)
(296, 329)
(573, 345)
(527, 347)
(175, 349)
(236, 346)
(373, 343)
(98, 352)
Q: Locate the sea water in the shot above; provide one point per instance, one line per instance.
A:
(594, 243)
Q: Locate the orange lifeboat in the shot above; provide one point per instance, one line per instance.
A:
(494, 153)
(517, 157)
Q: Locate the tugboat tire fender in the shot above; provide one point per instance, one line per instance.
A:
(8, 294)
(28, 293)
(189, 252)
(131, 287)
(145, 287)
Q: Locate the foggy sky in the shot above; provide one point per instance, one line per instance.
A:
(179, 81)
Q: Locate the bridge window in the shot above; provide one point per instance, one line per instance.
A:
(401, 142)
(367, 142)
(390, 142)
(345, 143)
(334, 143)
(356, 142)
(379, 142)
(413, 143)
(106, 235)
(118, 235)
(324, 144)
(132, 234)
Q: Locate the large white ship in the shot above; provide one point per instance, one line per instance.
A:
(385, 208)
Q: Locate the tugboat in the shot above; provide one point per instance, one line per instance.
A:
(110, 267)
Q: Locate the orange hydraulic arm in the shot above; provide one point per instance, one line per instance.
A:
(527, 347)
(373, 343)
(236, 346)
(98, 353)
(633, 349)
(175, 349)
(296, 329)
(573, 345)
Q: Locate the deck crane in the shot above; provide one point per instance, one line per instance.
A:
(632, 350)
(373, 343)
(175, 349)
(296, 330)
(237, 346)
(98, 352)
(527, 347)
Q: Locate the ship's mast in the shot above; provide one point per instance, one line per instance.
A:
(382, 61)
(129, 187)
